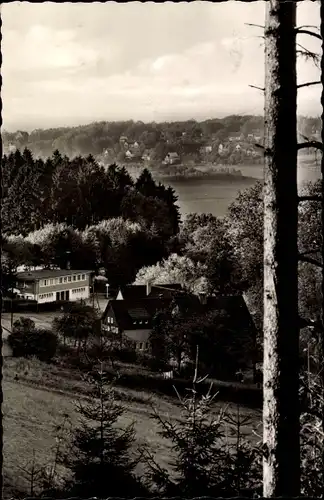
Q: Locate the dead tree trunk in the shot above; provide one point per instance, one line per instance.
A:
(281, 464)
(322, 225)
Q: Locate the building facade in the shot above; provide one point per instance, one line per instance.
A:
(54, 285)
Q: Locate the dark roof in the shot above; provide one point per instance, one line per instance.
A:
(133, 314)
(139, 291)
(50, 273)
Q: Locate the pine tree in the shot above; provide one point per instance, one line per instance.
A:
(281, 471)
(100, 459)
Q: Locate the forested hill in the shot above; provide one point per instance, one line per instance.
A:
(228, 140)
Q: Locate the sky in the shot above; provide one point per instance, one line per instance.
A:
(75, 63)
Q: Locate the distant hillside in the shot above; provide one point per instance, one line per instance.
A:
(228, 141)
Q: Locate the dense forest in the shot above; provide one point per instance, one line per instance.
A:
(227, 141)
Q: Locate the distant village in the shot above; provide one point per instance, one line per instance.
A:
(230, 141)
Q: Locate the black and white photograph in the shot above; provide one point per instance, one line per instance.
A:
(162, 250)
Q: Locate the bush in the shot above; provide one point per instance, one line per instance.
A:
(33, 342)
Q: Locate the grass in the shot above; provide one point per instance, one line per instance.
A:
(35, 403)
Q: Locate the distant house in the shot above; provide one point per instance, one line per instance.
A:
(235, 137)
(206, 149)
(129, 155)
(171, 159)
(146, 156)
(238, 147)
(54, 285)
(132, 317)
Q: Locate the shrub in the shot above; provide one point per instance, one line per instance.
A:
(33, 342)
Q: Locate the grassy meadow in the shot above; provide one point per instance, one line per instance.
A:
(36, 398)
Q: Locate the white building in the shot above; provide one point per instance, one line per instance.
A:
(54, 285)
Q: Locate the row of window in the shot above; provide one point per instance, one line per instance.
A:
(78, 290)
(110, 321)
(63, 279)
(45, 295)
(143, 345)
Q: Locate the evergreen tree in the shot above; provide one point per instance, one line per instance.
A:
(100, 459)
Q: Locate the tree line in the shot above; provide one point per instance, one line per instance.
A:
(79, 193)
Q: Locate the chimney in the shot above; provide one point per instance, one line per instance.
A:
(148, 288)
(203, 298)
(107, 291)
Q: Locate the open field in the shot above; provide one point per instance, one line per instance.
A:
(31, 410)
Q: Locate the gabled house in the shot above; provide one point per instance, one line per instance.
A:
(132, 317)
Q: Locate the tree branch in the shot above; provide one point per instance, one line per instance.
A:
(308, 54)
(308, 252)
(308, 84)
(254, 25)
(259, 146)
(309, 198)
(307, 26)
(300, 31)
(255, 87)
(310, 144)
(304, 258)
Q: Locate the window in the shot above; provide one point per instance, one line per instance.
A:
(79, 277)
(147, 345)
(45, 295)
(74, 277)
(51, 281)
(69, 278)
(56, 281)
(141, 345)
(61, 280)
(83, 277)
(45, 282)
(65, 279)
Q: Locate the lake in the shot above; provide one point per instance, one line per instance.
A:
(214, 196)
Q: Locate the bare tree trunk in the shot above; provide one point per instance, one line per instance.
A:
(281, 463)
(322, 220)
